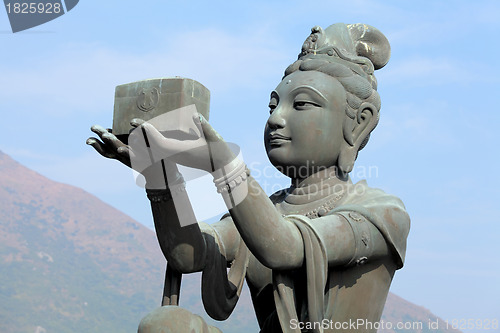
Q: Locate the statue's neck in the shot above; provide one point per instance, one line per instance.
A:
(332, 175)
(317, 186)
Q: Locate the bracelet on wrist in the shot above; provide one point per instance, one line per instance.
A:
(165, 195)
(159, 195)
(230, 176)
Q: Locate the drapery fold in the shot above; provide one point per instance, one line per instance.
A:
(221, 290)
(316, 266)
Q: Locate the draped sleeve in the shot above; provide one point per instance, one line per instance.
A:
(386, 212)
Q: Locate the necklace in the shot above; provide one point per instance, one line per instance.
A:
(325, 207)
(314, 200)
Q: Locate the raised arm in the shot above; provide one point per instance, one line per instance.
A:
(179, 235)
(348, 237)
(273, 240)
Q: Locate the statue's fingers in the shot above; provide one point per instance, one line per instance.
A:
(100, 148)
(211, 135)
(112, 141)
(136, 122)
(99, 130)
(197, 123)
(108, 138)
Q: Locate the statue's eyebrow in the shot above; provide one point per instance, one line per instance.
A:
(312, 89)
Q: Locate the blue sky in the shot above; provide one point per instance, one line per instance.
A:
(435, 146)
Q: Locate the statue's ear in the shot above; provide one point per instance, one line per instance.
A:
(366, 120)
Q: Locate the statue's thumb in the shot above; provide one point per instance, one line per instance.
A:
(211, 134)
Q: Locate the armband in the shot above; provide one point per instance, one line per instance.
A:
(362, 237)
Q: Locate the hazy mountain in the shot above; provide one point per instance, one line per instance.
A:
(71, 263)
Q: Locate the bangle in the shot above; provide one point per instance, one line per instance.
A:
(230, 176)
(165, 195)
(159, 195)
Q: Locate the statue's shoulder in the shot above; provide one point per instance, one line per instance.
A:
(362, 194)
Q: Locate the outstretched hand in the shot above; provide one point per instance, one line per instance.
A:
(110, 146)
(200, 147)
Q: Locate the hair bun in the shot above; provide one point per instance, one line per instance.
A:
(369, 42)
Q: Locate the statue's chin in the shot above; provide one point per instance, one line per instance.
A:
(280, 165)
(296, 165)
(276, 159)
(279, 155)
(291, 169)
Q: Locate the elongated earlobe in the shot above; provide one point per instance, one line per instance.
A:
(366, 120)
(346, 160)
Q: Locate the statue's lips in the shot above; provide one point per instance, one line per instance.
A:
(278, 139)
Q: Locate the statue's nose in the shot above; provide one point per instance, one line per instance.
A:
(277, 119)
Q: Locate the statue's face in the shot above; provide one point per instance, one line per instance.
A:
(304, 130)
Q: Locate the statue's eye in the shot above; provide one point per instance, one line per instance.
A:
(273, 104)
(303, 105)
(272, 107)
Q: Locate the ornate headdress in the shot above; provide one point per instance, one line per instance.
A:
(350, 53)
(360, 47)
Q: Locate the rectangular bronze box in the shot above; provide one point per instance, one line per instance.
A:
(153, 97)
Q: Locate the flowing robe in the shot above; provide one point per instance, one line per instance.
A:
(317, 297)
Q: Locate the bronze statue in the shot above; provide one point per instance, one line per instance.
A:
(318, 256)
